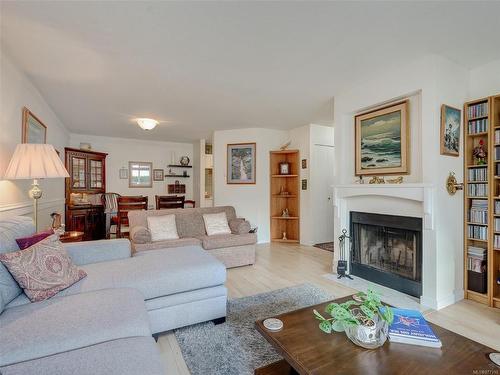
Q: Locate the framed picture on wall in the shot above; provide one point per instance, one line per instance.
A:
(241, 163)
(450, 130)
(33, 131)
(140, 174)
(382, 141)
(158, 175)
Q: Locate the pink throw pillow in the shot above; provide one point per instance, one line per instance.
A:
(26, 242)
(43, 269)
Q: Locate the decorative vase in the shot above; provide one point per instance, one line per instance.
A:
(369, 336)
(184, 161)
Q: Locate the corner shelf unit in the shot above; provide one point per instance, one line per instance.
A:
(285, 183)
(482, 200)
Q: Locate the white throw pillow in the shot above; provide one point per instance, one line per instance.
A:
(162, 228)
(216, 224)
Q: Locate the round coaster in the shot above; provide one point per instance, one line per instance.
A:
(273, 324)
(495, 357)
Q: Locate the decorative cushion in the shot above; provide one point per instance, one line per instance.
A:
(216, 224)
(239, 226)
(26, 242)
(43, 269)
(140, 235)
(162, 228)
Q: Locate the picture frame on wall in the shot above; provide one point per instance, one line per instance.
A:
(450, 130)
(241, 163)
(158, 175)
(33, 129)
(123, 173)
(140, 174)
(382, 138)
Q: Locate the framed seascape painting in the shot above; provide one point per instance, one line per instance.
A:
(382, 140)
(241, 163)
(450, 130)
(34, 131)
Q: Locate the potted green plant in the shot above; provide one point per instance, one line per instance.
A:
(364, 319)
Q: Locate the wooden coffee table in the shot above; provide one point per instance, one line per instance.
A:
(307, 350)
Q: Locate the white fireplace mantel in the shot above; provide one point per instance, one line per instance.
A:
(418, 192)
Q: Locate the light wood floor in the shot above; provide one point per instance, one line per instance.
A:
(282, 265)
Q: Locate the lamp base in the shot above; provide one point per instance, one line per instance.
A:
(35, 193)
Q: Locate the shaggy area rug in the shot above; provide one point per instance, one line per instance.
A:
(235, 347)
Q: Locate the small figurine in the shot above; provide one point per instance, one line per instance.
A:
(285, 213)
(397, 180)
(284, 237)
(377, 180)
(479, 153)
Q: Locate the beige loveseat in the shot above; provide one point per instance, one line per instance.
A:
(234, 250)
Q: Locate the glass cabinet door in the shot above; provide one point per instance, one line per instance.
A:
(96, 174)
(78, 174)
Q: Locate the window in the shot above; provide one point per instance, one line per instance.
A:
(140, 174)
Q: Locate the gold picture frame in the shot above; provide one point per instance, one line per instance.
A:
(382, 139)
(450, 130)
(33, 129)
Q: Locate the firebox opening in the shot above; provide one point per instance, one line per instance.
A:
(387, 250)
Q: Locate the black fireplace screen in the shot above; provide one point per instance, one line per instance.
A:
(387, 249)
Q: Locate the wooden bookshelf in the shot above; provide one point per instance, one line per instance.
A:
(288, 183)
(491, 170)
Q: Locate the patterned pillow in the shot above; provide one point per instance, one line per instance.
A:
(26, 242)
(43, 269)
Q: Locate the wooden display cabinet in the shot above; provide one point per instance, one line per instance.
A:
(285, 194)
(87, 170)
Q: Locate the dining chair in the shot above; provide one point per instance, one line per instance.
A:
(126, 204)
(110, 204)
(169, 201)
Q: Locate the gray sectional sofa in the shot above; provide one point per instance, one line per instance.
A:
(234, 249)
(104, 323)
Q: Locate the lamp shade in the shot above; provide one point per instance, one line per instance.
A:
(35, 161)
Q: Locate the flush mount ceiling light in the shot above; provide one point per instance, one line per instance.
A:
(147, 123)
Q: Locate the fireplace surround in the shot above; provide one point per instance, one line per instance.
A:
(387, 250)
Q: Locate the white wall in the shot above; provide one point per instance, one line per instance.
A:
(485, 80)
(428, 82)
(17, 91)
(122, 150)
(250, 201)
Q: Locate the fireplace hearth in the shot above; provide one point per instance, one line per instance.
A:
(387, 250)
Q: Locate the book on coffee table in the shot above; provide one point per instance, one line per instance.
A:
(410, 327)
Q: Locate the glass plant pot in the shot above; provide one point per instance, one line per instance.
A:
(369, 336)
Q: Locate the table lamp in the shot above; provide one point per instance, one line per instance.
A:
(34, 161)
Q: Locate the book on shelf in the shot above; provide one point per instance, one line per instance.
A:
(410, 327)
(476, 259)
(497, 154)
(477, 232)
(478, 126)
(478, 174)
(497, 136)
(478, 212)
(477, 190)
(477, 110)
(497, 208)
(496, 241)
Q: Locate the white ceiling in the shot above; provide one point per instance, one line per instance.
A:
(201, 66)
